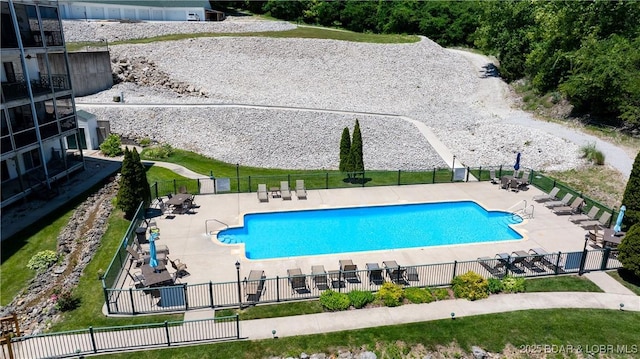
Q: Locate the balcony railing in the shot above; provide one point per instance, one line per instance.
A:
(44, 84)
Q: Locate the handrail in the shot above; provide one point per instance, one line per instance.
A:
(512, 208)
(206, 225)
(532, 209)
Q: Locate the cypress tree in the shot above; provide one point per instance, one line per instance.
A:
(356, 149)
(143, 192)
(345, 152)
(631, 197)
(630, 250)
(127, 200)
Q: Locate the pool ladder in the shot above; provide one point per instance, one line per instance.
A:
(206, 226)
(524, 211)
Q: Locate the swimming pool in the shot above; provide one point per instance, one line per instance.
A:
(342, 230)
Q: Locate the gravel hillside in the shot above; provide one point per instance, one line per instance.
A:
(423, 81)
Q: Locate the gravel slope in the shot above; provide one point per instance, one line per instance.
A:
(422, 81)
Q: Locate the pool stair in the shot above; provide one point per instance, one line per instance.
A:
(521, 209)
(212, 231)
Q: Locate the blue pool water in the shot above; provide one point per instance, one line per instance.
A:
(326, 231)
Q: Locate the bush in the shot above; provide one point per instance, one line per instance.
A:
(390, 294)
(592, 154)
(65, 301)
(112, 146)
(441, 293)
(513, 284)
(359, 298)
(418, 295)
(470, 286)
(495, 285)
(629, 254)
(159, 152)
(631, 197)
(145, 142)
(42, 260)
(334, 301)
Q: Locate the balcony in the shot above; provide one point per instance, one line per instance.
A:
(18, 88)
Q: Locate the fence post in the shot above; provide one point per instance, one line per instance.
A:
(93, 340)
(277, 289)
(433, 177)
(166, 330)
(605, 258)
(238, 177)
(133, 307)
(186, 297)
(500, 172)
(106, 297)
(211, 294)
(398, 177)
(326, 180)
(555, 269)
(469, 170)
(175, 188)
(363, 176)
(455, 265)
(237, 326)
(506, 267)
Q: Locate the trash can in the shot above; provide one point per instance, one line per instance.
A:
(141, 234)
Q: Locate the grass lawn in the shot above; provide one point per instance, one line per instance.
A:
(491, 332)
(627, 279)
(570, 283)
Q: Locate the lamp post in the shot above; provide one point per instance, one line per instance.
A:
(239, 292)
(583, 259)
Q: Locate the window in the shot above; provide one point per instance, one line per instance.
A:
(64, 107)
(45, 112)
(5, 171)
(29, 25)
(21, 118)
(9, 38)
(31, 159)
(51, 26)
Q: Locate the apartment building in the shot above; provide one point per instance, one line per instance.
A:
(40, 140)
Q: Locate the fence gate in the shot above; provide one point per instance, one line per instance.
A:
(207, 186)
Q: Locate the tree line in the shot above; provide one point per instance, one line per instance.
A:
(585, 51)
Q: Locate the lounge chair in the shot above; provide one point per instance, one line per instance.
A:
(571, 209)
(297, 280)
(496, 270)
(493, 178)
(301, 191)
(510, 261)
(563, 202)
(395, 273)
(542, 256)
(412, 274)
(263, 196)
(284, 190)
(179, 267)
(601, 222)
(140, 259)
(375, 274)
(254, 285)
(349, 270)
(519, 257)
(319, 277)
(162, 250)
(591, 216)
(551, 196)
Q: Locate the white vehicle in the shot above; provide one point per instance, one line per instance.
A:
(192, 16)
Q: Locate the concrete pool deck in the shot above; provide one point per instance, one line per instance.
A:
(188, 239)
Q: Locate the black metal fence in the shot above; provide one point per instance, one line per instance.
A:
(78, 343)
(183, 297)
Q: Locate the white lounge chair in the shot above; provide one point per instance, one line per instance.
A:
(591, 216)
(563, 202)
(301, 192)
(285, 193)
(263, 196)
(551, 196)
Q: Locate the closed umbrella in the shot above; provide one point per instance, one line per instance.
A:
(517, 165)
(617, 228)
(153, 261)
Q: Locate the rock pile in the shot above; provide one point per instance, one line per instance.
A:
(77, 243)
(141, 71)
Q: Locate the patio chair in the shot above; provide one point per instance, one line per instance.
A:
(137, 279)
(375, 274)
(551, 196)
(596, 240)
(162, 250)
(504, 183)
(297, 280)
(349, 270)
(493, 178)
(140, 259)
(571, 209)
(395, 273)
(601, 222)
(496, 270)
(514, 185)
(254, 285)
(263, 196)
(284, 190)
(563, 202)
(591, 216)
(319, 277)
(524, 180)
(180, 268)
(301, 191)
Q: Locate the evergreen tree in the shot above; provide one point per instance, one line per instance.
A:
(630, 250)
(356, 149)
(345, 152)
(631, 198)
(127, 200)
(140, 177)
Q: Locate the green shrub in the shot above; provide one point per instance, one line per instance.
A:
(390, 294)
(470, 285)
(145, 142)
(630, 250)
(513, 284)
(418, 295)
(495, 285)
(159, 152)
(441, 293)
(592, 154)
(42, 260)
(360, 298)
(334, 301)
(65, 301)
(112, 146)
